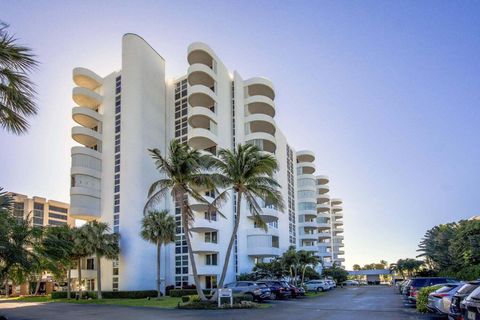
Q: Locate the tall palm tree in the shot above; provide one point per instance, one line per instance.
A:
(16, 89)
(101, 243)
(248, 172)
(80, 251)
(158, 227)
(306, 259)
(183, 172)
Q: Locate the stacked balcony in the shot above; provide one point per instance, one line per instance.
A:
(260, 127)
(86, 159)
(202, 98)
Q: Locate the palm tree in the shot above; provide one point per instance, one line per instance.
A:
(80, 251)
(58, 246)
(100, 243)
(306, 259)
(158, 227)
(184, 171)
(16, 89)
(248, 172)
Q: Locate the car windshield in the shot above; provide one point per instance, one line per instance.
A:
(468, 288)
(446, 288)
(475, 294)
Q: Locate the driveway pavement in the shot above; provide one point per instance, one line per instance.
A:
(364, 303)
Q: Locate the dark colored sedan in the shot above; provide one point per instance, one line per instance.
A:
(277, 289)
(295, 292)
(471, 306)
(455, 312)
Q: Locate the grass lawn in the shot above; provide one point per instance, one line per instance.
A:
(312, 294)
(164, 302)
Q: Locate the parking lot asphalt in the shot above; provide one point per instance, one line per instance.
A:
(356, 303)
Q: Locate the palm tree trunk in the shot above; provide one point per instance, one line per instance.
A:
(79, 270)
(158, 268)
(69, 280)
(99, 278)
(37, 287)
(303, 274)
(230, 246)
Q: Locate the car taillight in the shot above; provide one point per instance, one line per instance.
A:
(439, 295)
(413, 291)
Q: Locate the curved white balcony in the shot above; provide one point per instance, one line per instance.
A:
(338, 237)
(305, 156)
(86, 136)
(86, 78)
(325, 255)
(323, 215)
(205, 247)
(74, 170)
(324, 188)
(336, 208)
(260, 123)
(200, 117)
(77, 150)
(337, 222)
(263, 252)
(201, 53)
(205, 270)
(268, 215)
(324, 235)
(308, 248)
(200, 206)
(84, 97)
(201, 96)
(308, 213)
(85, 203)
(204, 225)
(260, 105)
(338, 230)
(336, 201)
(199, 73)
(323, 198)
(338, 214)
(323, 226)
(260, 86)
(322, 179)
(86, 117)
(262, 232)
(340, 259)
(308, 236)
(323, 207)
(200, 138)
(266, 142)
(306, 168)
(308, 224)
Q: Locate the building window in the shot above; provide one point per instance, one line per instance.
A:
(211, 237)
(90, 264)
(211, 259)
(57, 216)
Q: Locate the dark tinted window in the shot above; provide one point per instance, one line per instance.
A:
(438, 281)
(418, 282)
(468, 288)
(476, 294)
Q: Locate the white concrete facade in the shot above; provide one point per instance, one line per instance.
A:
(128, 111)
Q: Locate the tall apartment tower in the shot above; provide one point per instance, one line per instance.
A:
(121, 115)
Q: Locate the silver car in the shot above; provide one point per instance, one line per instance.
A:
(440, 300)
(317, 285)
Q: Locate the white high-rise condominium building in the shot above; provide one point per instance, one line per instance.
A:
(122, 114)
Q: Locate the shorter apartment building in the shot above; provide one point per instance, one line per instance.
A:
(41, 212)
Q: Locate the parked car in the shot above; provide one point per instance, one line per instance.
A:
(278, 290)
(258, 292)
(439, 301)
(470, 306)
(455, 313)
(404, 287)
(295, 291)
(331, 283)
(316, 285)
(417, 283)
(350, 283)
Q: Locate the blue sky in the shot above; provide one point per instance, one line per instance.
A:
(387, 93)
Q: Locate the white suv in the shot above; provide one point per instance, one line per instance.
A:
(317, 285)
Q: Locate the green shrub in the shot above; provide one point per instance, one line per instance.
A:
(198, 305)
(108, 294)
(422, 298)
(237, 299)
(185, 298)
(185, 292)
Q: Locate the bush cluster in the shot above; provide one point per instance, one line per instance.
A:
(422, 298)
(184, 292)
(108, 294)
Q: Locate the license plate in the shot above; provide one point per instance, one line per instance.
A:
(471, 315)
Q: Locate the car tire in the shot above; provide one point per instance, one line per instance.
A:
(319, 289)
(273, 296)
(251, 295)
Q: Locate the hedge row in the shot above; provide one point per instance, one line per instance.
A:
(108, 294)
(184, 292)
